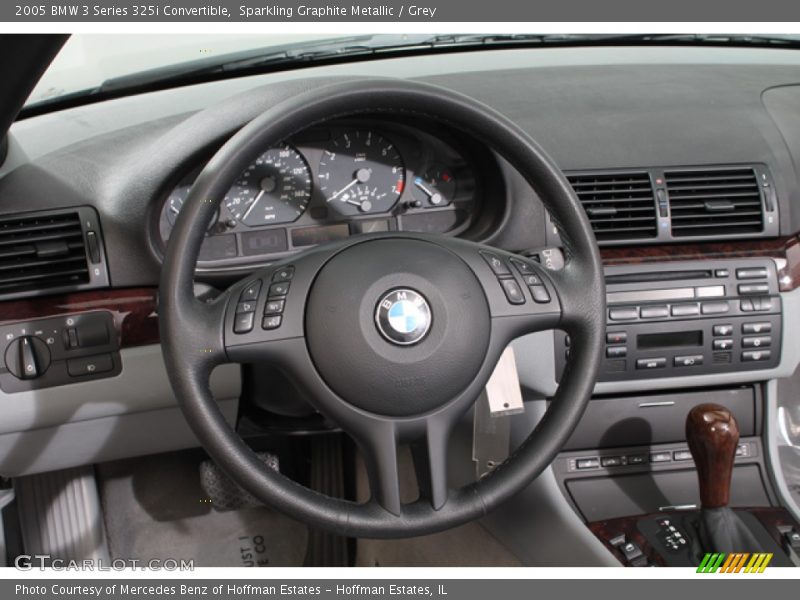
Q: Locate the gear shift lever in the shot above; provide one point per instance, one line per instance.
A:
(713, 434)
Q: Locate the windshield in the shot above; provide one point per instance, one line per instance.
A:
(92, 64)
(86, 61)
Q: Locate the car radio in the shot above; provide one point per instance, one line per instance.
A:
(677, 319)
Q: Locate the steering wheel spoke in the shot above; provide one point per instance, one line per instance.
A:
(430, 462)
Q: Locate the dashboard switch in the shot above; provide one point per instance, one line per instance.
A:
(623, 314)
(273, 307)
(271, 322)
(756, 328)
(539, 294)
(243, 322)
(756, 355)
(496, 264)
(651, 363)
(89, 365)
(284, 274)
(27, 357)
(512, 291)
(278, 289)
(250, 292)
(93, 246)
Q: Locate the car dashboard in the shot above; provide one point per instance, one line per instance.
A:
(685, 160)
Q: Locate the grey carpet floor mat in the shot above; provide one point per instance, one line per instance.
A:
(154, 509)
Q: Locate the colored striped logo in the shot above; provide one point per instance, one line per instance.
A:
(737, 562)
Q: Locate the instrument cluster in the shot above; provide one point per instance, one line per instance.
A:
(334, 181)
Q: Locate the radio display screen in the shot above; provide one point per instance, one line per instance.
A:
(671, 339)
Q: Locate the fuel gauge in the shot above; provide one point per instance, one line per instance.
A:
(435, 187)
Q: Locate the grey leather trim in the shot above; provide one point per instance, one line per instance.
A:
(529, 523)
(142, 386)
(99, 440)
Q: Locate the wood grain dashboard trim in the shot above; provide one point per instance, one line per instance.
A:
(133, 309)
(786, 248)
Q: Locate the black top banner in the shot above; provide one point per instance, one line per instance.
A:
(464, 11)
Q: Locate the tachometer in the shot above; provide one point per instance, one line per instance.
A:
(276, 188)
(361, 172)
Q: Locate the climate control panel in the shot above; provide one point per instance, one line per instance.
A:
(59, 350)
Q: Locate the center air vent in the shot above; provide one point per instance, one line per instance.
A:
(620, 206)
(714, 202)
(42, 252)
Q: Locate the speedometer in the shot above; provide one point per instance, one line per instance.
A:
(276, 188)
(361, 172)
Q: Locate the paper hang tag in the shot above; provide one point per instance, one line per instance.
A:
(503, 389)
(491, 435)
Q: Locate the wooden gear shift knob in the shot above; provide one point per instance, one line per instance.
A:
(713, 435)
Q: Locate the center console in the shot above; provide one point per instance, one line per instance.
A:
(628, 469)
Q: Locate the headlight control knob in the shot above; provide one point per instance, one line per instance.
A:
(27, 357)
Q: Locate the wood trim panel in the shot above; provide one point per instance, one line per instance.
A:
(787, 248)
(133, 309)
(771, 518)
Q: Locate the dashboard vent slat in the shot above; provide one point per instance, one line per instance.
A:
(41, 252)
(620, 206)
(711, 202)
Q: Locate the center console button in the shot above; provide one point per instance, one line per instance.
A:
(715, 308)
(623, 314)
(723, 344)
(587, 463)
(611, 461)
(685, 310)
(761, 341)
(654, 312)
(657, 457)
(616, 337)
(751, 273)
(756, 355)
(616, 351)
(651, 363)
(756, 328)
(681, 455)
(747, 289)
(723, 330)
(692, 360)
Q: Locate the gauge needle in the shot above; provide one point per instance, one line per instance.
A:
(418, 183)
(253, 205)
(344, 189)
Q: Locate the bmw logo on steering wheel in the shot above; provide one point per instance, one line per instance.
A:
(403, 317)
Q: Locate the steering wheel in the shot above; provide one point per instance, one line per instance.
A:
(391, 336)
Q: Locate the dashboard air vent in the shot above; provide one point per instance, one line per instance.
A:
(40, 252)
(714, 202)
(620, 206)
